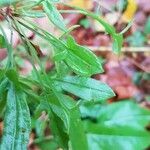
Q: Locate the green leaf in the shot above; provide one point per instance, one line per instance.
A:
(117, 44)
(3, 86)
(54, 15)
(108, 28)
(32, 14)
(2, 104)
(46, 143)
(9, 50)
(2, 42)
(85, 88)
(75, 125)
(102, 138)
(117, 37)
(147, 27)
(40, 125)
(76, 130)
(82, 60)
(13, 76)
(67, 33)
(3, 89)
(71, 119)
(16, 122)
(57, 117)
(120, 125)
(57, 128)
(60, 56)
(56, 107)
(2, 73)
(7, 2)
(62, 69)
(40, 108)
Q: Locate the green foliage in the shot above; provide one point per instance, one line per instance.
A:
(119, 126)
(117, 37)
(85, 88)
(82, 60)
(2, 42)
(44, 144)
(16, 122)
(43, 101)
(54, 15)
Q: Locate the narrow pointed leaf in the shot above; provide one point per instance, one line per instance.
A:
(57, 130)
(3, 86)
(85, 88)
(76, 130)
(17, 121)
(117, 43)
(54, 15)
(82, 60)
(74, 127)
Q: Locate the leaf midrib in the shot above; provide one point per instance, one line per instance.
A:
(59, 80)
(89, 63)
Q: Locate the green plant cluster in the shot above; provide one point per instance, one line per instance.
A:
(87, 123)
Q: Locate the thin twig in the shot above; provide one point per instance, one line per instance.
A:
(124, 49)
